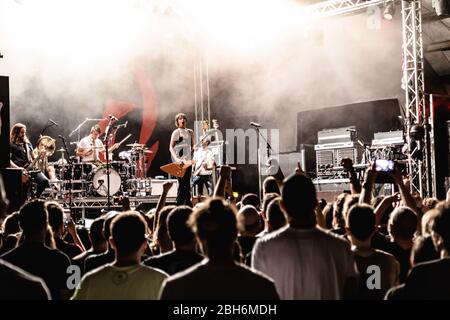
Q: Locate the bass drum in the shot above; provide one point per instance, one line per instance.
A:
(100, 182)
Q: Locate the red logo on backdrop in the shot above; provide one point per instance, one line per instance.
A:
(149, 113)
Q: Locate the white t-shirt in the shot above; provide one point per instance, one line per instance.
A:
(183, 138)
(87, 143)
(305, 264)
(202, 156)
(136, 282)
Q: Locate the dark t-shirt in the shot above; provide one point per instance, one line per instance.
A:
(206, 281)
(428, 280)
(402, 256)
(19, 153)
(17, 284)
(98, 260)
(174, 261)
(246, 244)
(70, 249)
(49, 264)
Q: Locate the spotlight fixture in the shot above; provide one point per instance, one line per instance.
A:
(389, 10)
(442, 7)
(416, 132)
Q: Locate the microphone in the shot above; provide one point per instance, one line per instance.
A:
(112, 117)
(53, 122)
(257, 125)
(351, 130)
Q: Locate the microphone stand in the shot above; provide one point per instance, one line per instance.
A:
(106, 140)
(268, 148)
(45, 128)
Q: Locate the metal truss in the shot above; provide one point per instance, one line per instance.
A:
(413, 79)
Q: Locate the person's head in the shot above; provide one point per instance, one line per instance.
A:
(162, 237)
(206, 142)
(360, 223)
(423, 250)
(180, 120)
(108, 218)
(249, 221)
(251, 199)
(95, 132)
(268, 197)
(128, 234)
(349, 202)
(440, 229)
(270, 185)
(33, 218)
(177, 227)
(4, 202)
(402, 224)
(426, 221)
(215, 226)
(18, 133)
(275, 215)
(338, 210)
(299, 200)
(11, 224)
(96, 234)
(328, 214)
(55, 217)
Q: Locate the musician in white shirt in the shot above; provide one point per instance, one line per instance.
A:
(203, 169)
(89, 147)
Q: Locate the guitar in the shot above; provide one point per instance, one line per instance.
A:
(177, 169)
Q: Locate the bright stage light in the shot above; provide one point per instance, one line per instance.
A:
(442, 7)
(389, 10)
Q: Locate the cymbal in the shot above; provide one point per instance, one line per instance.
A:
(135, 145)
(61, 150)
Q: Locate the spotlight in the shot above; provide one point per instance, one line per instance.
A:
(441, 7)
(389, 10)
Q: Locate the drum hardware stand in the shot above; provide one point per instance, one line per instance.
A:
(70, 166)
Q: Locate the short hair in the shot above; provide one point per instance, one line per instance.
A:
(109, 217)
(11, 224)
(268, 198)
(403, 223)
(215, 222)
(248, 219)
(423, 250)
(128, 231)
(270, 185)
(275, 215)
(55, 215)
(251, 199)
(161, 227)
(441, 223)
(328, 214)
(360, 221)
(33, 217)
(178, 116)
(177, 227)
(299, 196)
(96, 231)
(96, 128)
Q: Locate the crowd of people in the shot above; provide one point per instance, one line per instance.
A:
(288, 245)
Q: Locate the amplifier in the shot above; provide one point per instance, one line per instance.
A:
(327, 160)
(157, 187)
(388, 138)
(345, 134)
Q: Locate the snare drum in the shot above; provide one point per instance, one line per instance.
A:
(100, 182)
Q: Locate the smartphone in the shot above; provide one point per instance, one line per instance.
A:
(67, 217)
(384, 165)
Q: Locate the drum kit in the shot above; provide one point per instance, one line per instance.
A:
(84, 179)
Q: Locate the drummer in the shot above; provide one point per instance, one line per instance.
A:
(91, 146)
